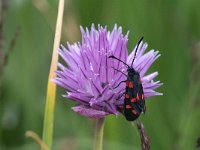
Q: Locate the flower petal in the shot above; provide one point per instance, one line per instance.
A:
(89, 112)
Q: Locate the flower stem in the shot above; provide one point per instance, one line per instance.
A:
(98, 143)
(51, 87)
(145, 141)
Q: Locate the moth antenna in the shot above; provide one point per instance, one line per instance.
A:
(136, 50)
(118, 60)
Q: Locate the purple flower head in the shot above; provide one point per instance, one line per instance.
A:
(89, 76)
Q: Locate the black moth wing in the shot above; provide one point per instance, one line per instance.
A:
(141, 101)
(128, 106)
(134, 103)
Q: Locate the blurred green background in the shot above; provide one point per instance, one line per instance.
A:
(172, 121)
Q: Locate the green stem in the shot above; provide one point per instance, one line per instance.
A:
(51, 87)
(98, 141)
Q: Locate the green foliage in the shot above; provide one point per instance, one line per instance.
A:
(171, 120)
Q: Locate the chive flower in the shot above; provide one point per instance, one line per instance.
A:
(90, 77)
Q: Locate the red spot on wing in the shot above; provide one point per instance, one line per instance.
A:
(143, 96)
(127, 96)
(130, 85)
(138, 96)
(127, 83)
(128, 106)
(134, 112)
(133, 100)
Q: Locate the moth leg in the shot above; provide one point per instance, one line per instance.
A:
(120, 95)
(120, 109)
(119, 84)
